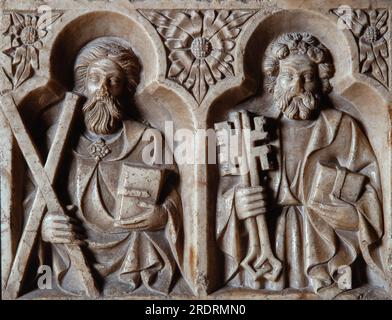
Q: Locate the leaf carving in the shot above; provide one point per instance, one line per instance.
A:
(369, 27)
(17, 19)
(199, 44)
(26, 32)
(23, 69)
(231, 29)
(47, 18)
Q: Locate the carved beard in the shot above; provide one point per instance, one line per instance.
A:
(296, 106)
(102, 113)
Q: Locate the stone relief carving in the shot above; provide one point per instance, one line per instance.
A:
(200, 45)
(130, 235)
(325, 191)
(124, 254)
(26, 33)
(297, 204)
(259, 260)
(370, 28)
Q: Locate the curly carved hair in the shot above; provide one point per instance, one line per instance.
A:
(113, 48)
(297, 43)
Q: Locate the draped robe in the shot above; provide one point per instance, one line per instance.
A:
(315, 241)
(122, 259)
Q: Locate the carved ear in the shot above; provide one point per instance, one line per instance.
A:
(271, 70)
(269, 84)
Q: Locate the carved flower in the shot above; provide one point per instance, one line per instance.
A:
(200, 45)
(99, 150)
(369, 27)
(26, 32)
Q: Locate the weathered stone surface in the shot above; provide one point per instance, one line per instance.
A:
(196, 149)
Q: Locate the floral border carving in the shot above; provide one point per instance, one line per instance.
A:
(200, 44)
(370, 29)
(26, 32)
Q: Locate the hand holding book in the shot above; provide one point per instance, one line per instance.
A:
(154, 217)
(138, 196)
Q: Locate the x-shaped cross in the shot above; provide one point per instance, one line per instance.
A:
(46, 197)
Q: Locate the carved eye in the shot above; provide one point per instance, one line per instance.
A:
(115, 82)
(308, 77)
(94, 78)
(286, 77)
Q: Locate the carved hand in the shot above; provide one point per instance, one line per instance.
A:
(59, 229)
(154, 218)
(250, 202)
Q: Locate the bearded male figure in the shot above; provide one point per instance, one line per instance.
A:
(325, 213)
(144, 249)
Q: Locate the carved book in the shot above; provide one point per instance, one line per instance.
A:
(137, 184)
(343, 184)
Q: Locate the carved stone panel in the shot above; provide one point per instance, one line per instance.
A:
(200, 44)
(196, 150)
(370, 28)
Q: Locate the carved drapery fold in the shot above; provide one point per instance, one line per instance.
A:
(209, 53)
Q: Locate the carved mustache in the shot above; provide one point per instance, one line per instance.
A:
(102, 113)
(296, 106)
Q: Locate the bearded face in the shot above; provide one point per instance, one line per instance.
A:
(104, 86)
(296, 89)
(102, 113)
(297, 106)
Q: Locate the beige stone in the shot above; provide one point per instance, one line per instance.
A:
(283, 190)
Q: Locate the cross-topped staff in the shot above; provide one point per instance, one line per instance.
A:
(260, 260)
(46, 197)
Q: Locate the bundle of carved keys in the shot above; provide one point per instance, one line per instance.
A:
(251, 160)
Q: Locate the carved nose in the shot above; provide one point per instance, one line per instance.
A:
(103, 89)
(298, 86)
